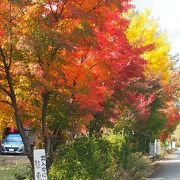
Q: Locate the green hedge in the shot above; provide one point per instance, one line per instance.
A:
(84, 159)
(97, 158)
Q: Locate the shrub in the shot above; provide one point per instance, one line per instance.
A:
(84, 159)
(130, 166)
(138, 166)
(106, 158)
(119, 146)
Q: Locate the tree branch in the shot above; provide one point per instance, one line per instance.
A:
(92, 66)
(3, 59)
(6, 102)
(45, 99)
(98, 4)
(62, 9)
(13, 98)
(6, 91)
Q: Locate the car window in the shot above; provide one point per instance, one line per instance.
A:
(14, 138)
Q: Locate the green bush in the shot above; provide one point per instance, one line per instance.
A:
(119, 147)
(106, 158)
(92, 158)
(84, 159)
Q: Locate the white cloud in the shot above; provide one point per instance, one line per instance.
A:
(168, 14)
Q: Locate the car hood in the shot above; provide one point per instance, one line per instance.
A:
(12, 143)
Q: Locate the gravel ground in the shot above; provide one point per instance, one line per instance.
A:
(13, 159)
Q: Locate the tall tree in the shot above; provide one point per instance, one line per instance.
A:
(48, 48)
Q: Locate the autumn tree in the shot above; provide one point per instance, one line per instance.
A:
(49, 52)
(144, 30)
(73, 67)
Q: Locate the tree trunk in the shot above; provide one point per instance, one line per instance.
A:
(12, 96)
(45, 100)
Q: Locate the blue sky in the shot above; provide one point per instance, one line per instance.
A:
(167, 12)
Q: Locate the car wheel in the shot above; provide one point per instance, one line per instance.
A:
(2, 153)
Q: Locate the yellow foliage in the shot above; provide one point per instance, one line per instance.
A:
(144, 30)
(6, 119)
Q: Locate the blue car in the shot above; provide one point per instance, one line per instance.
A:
(12, 144)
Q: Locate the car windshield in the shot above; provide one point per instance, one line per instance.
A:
(14, 138)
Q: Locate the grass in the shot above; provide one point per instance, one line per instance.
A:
(7, 172)
(8, 169)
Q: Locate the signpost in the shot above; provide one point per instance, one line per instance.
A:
(40, 171)
(151, 148)
(174, 145)
(158, 148)
(155, 148)
(170, 146)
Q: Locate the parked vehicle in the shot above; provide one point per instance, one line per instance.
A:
(12, 144)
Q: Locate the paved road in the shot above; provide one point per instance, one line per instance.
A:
(170, 169)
